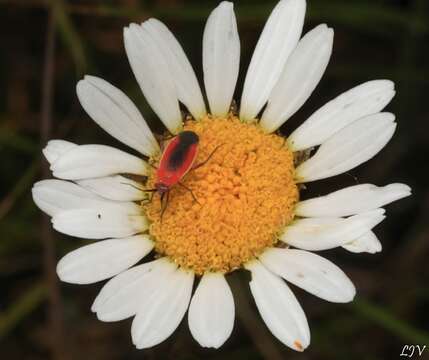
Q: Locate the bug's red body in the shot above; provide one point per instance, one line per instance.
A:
(177, 159)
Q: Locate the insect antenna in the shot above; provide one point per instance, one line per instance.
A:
(164, 203)
(152, 191)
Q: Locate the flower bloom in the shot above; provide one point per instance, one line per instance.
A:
(241, 209)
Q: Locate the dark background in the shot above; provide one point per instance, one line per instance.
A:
(46, 47)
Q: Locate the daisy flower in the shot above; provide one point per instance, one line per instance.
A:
(247, 213)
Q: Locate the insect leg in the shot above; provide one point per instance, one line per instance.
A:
(190, 190)
(208, 158)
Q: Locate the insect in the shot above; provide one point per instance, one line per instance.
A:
(177, 160)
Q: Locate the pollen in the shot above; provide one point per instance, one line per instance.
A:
(245, 194)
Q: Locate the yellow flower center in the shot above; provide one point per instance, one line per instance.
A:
(246, 194)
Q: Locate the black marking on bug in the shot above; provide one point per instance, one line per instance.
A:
(186, 139)
(99, 216)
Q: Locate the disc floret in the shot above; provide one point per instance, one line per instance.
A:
(246, 194)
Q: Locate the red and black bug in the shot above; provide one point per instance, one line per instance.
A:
(177, 160)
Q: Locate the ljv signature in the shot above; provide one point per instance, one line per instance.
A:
(410, 350)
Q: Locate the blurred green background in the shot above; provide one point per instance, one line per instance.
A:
(47, 46)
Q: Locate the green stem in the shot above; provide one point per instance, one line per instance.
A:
(69, 35)
(21, 308)
(20, 187)
(387, 321)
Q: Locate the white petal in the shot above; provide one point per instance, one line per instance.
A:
(278, 307)
(161, 313)
(89, 161)
(153, 75)
(302, 72)
(54, 196)
(349, 147)
(211, 312)
(99, 223)
(277, 41)
(221, 58)
(368, 242)
(352, 200)
(110, 108)
(114, 187)
(187, 87)
(56, 148)
(363, 100)
(310, 272)
(327, 233)
(103, 259)
(123, 295)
